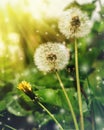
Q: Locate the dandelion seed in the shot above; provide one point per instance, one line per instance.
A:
(74, 23)
(84, 68)
(102, 82)
(30, 119)
(18, 113)
(15, 97)
(62, 111)
(8, 119)
(46, 33)
(71, 78)
(56, 127)
(21, 58)
(51, 57)
(90, 49)
(63, 121)
(98, 78)
(98, 120)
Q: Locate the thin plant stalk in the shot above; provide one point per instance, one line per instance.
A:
(68, 101)
(91, 108)
(51, 115)
(10, 127)
(78, 86)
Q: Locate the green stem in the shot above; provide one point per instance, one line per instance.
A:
(51, 115)
(68, 101)
(78, 86)
(100, 4)
(9, 127)
(91, 108)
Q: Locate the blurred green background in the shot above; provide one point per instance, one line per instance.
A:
(23, 26)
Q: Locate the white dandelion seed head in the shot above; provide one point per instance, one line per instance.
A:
(74, 23)
(51, 56)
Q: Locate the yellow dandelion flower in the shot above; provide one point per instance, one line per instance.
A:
(25, 86)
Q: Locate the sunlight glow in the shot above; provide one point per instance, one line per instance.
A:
(37, 8)
(14, 37)
(2, 48)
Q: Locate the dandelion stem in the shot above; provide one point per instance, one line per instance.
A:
(68, 101)
(78, 86)
(10, 127)
(100, 4)
(51, 115)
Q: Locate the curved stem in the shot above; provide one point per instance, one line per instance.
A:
(51, 115)
(78, 86)
(10, 127)
(68, 101)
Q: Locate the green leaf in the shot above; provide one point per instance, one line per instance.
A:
(4, 102)
(98, 116)
(2, 105)
(57, 97)
(73, 4)
(88, 8)
(4, 90)
(15, 108)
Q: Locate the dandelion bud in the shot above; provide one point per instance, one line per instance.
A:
(27, 89)
(24, 86)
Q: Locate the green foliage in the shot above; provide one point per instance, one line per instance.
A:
(89, 8)
(46, 86)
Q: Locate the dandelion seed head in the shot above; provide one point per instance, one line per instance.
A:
(51, 56)
(74, 23)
